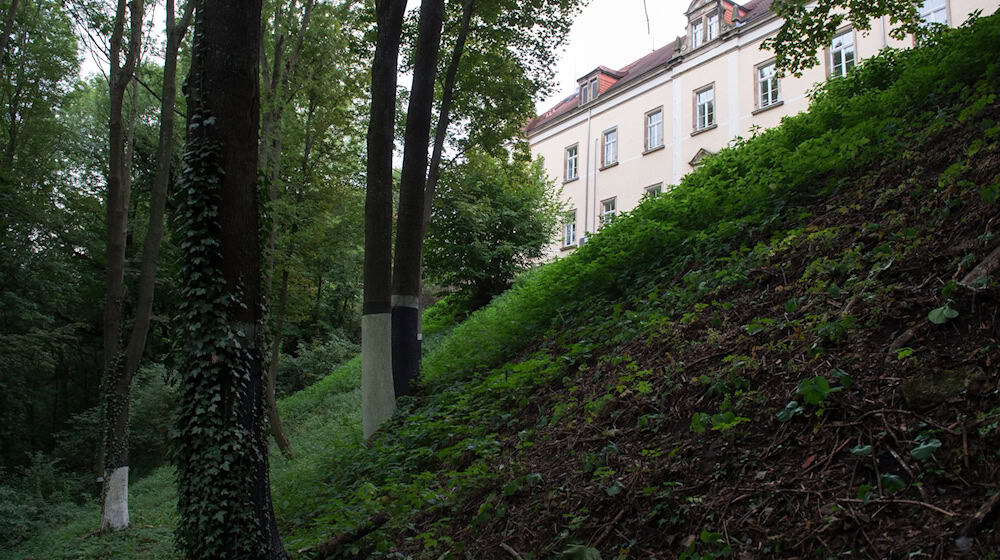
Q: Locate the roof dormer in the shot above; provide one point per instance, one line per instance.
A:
(709, 19)
(596, 82)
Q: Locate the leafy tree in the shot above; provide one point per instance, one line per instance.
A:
(47, 319)
(809, 25)
(492, 221)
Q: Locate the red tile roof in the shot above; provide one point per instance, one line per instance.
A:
(660, 57)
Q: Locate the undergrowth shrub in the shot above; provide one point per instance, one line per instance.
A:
(37, 495)
(313, 362)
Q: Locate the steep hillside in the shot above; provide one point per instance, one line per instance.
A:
(792, 354)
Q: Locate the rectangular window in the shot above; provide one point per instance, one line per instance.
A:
(767, 85)
(572, 161)
(654, 191)
(610, 152)
(593, 88)
(569, 229)
(934, 11)
(697, 34)
(713, 26)
(654, 128)
(608, 209)
(704, 102)
(842, 56)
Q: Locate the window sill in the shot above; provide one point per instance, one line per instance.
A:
(760, 110)
(568, 247)
(608, 166)
(706, 129)
(577, 178)
(656, 149)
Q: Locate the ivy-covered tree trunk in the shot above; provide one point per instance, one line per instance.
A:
(224, 497)
(377, 395)
(409, 236)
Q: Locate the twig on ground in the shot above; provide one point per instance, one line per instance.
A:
(973, 524)
(899, 501)
(904, 338)
(332, 546)
(511, 551)
(607, 530)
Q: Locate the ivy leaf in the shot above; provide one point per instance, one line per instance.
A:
(942, 314)
(892, 483)
(865, 492)
(699, 422)
(816, 390)
(843, 377)
(790, 410)
(925, 449)
(861, 450)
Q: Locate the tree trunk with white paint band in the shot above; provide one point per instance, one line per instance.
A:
(114, 514)
(377, 393)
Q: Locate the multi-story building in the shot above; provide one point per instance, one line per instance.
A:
(629, 133)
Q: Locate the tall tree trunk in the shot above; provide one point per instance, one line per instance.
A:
(378, 398)
(440, 135)
(409, 238)
(444, 118)
(158, 195)
(114, 514)
(224, 496)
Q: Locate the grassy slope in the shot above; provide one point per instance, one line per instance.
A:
(624, 399)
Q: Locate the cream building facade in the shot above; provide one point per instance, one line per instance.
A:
(628, 133)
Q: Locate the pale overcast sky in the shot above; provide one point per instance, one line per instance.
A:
(613, 33)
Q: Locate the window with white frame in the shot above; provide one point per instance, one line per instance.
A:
(572, 162)
(569, 229)
(704, 103)
(934, 11)
(588, 91)
(842, 55)
(654, 128)
(608, 209)
(697, 34)
(767, 85)
(609, 156)
(713, 26)
(654, 191)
